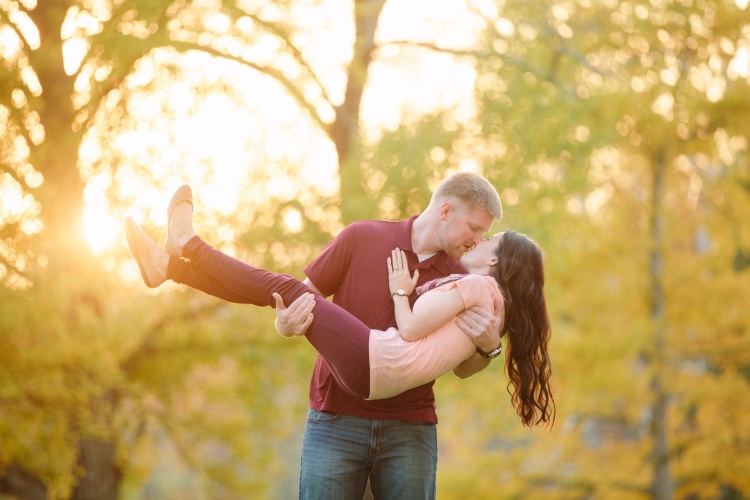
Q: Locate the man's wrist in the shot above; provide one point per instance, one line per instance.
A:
(491, 354)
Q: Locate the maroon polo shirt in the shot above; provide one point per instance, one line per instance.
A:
(353, 269)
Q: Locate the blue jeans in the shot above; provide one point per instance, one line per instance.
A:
(339, 452)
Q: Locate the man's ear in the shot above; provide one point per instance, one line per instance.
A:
(445, 209)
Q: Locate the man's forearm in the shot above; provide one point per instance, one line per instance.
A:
(475, 364)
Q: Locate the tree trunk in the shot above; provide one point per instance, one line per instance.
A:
(662, 486)
(100, 476)
(56, 158)
(19, 483)
(345, 130)
(61, 198)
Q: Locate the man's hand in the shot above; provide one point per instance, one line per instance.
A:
(295, 319)
(482, 327)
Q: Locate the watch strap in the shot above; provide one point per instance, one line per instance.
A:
(492, 354)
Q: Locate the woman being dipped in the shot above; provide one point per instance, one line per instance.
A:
(507, 272)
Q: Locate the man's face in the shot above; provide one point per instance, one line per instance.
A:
(461, 228)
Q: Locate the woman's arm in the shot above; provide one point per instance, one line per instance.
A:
(437, 313)
(431, 317)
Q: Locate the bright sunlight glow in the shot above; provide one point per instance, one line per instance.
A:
(101, 230)
(213, 143)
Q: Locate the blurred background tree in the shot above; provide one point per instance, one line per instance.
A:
(618, 131)
(615, 132)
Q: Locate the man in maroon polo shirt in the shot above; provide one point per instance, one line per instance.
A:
(393, 442)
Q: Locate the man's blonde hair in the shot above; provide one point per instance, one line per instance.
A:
(472, 189)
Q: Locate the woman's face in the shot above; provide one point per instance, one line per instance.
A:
(482, 257)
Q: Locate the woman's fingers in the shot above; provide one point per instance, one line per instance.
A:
(399, 259)
(394, 261)
(397, 262)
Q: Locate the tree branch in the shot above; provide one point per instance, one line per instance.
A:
(18, 482)
(110, 38)
(4, 17)
(162, 40)
(276, 30)
(8, 264)
(273, 73)
(21, 128)
(147, 347)
(435, 48)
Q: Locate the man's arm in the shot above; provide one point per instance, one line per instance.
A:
(295, 319)
(483, 328)
(475, 364)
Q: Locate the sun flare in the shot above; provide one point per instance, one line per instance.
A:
(101, 230)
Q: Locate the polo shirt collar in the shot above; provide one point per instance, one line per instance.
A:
(403, 237)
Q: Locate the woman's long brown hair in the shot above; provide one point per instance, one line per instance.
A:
(520, 273)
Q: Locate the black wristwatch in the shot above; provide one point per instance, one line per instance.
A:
(491, 354)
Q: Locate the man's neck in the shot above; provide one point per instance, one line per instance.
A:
(423, 231)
